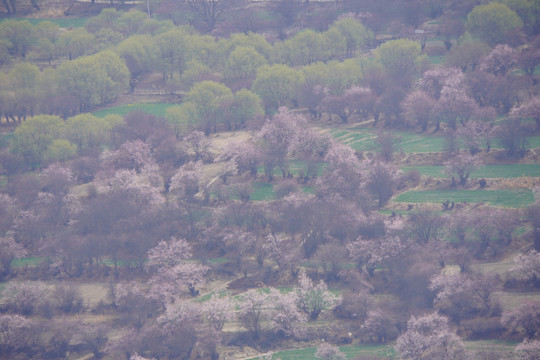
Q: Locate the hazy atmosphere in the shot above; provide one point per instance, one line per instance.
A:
(264, 180)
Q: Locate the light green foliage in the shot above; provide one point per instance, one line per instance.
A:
(207, 50)
(19, 92)
(19, 34)
(47, 30)
(174, 52)
(47, 33)
(87, 131)
(276, 85)
(243, 63)
(467, 53)
(209, 98)
(94, 79)
(107, 19)
(355, 34)
(155, 27)
(32, 138)
(195, 71)
(244, 106)
(43, 49)
(335, 42)
(23, 76)
(256, 41)
(401, 59)
(130, 22)
(60, 150)
(527, 10)
(306, 47)
(139, 53)
(343, 75)
(75, 43)
(493, 22)
(316, 73)
(183, 118)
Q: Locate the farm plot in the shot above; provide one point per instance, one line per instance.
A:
(350, 351)
(489, 171)
(157, 109)
(507, 198)
(62, 22)
(364, 140)
(265, 191)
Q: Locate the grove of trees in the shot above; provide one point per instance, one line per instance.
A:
(242, 215)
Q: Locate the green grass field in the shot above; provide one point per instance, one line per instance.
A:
(490, 345)
(27, 261)
(363, 140)
(5, 139)
(157, 109)
(63, 23)
(490, 171)
(506, 198)
(295, 167)
(351, 351)
(265, 191)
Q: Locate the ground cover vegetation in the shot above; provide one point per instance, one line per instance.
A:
(208, 179)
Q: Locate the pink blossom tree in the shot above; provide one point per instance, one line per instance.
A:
(478, 132)
(369, 253)
(253, 311)
(218, 310)
(461, 295)
(344, 175)
(287, 319)
(9, 250)
(313, 298)
(461, 165)
(528, 350)
(527, 266)
(198, 145)
(16, 333)
(381, 180)
(500, 60)
(381, 323)
(429, 337)
(327, 351)
(132, 155)
(187, 181)
(311, 147)
(245, 154)
(172, 272)
(276, 138)
(528, 110)
(523, 319)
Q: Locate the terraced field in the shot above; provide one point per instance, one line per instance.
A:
(490, 171)
(513, 198)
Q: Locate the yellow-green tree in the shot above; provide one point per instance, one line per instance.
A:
(493, 22)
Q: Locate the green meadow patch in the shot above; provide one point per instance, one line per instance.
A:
(364, 140)
(63, 22)
(157, 109)
(489, 171)
(27, 261)
(265, 191)
(350, 351)
(296, 167)
(490, 345)
(262, 191)
(5, 139)
(506, 198)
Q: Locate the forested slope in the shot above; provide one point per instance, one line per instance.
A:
(347, 179)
